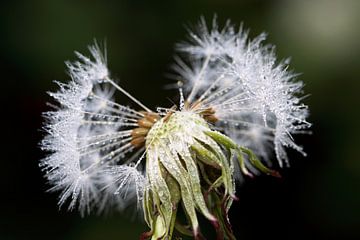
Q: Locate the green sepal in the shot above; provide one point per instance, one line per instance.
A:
(205, 156)
(159, 229)
(230, 144)
(258, 164)
(183, 230)
(222, 139)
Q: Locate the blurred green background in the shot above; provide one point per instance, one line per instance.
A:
(318, 197)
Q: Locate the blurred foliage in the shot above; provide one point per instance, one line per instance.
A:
(317, 197)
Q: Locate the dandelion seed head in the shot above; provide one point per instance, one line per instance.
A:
(238, 107)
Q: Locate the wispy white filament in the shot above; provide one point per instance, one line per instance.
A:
(88, 137)
(242, 80)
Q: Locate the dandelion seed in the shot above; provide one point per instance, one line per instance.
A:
(238, 109)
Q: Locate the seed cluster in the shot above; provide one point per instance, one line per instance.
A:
(144, 125)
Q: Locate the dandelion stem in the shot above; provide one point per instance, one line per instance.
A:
(196, 82)
(206, 93)
(182, 101)
(127, 94)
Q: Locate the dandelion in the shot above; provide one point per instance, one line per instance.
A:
(238, 107)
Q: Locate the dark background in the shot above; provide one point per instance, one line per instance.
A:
(318, 197)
